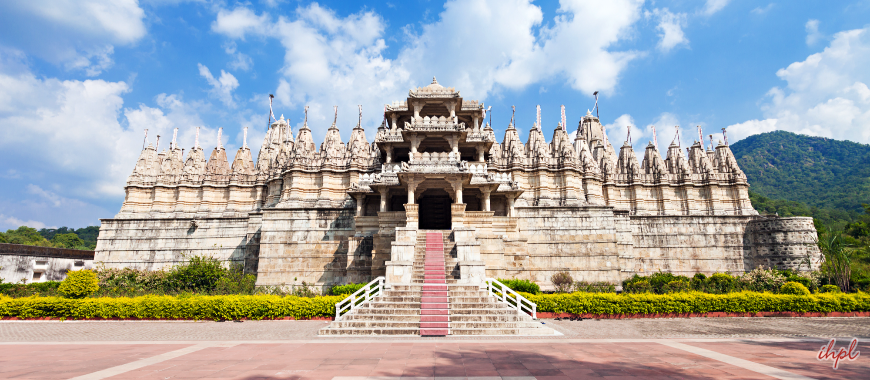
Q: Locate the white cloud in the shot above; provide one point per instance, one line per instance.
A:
(713, 6)
(813, 35)
(240, 60)
(77, 34)
(334, 60)
(760, 11)
(79, 131)
(222, 87)
(826, 94)
(10, 222)
(670, 27)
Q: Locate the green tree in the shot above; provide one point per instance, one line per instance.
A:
(69, 240)
(27, 236)
(837, 265)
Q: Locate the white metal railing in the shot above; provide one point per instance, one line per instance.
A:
(359, 297)
(511, 298)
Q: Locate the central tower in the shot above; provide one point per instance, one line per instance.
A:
(435, 148)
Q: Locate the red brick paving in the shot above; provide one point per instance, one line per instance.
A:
(796, 357)
(556, 360)
(71, 360)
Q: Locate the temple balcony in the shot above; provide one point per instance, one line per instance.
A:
(434, 124)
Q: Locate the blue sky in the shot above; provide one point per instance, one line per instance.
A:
(80, 80)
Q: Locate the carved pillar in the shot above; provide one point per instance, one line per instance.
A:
(417, 106)
(389, 149)
(456, 184)
(452, 108)
(454, 145)
(384, 192)
(411, 185)
(486, 193)
(510, 205)
(480, 152)
(476, 121)
(359, 203)
(395, 118)
(415, 143)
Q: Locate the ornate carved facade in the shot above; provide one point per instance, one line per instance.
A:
(348, 212)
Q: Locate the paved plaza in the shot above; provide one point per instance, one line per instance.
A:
(694, 348)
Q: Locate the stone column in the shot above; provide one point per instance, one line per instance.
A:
(510, 205)
(389, 153)
(417, 106)
(359, 203)
(415, 143)
(480, 153)
(384, 192)
(395, 118)
(486, 193)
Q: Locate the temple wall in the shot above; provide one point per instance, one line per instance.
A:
(579, 240)
(687, 245)
(308, 245)
(783, 243)
(159, 243)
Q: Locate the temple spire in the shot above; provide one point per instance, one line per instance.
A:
(655, 138)
(725, 135)
(145, 140)
(305, 122)
(564, 120)
(245, 139)
(538, 117)
(196, 142)
(511, 125)
(174, 139)
(700, 136)
(157, 148)
(220, 135)
(360, 115)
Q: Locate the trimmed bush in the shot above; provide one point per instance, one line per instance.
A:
(806, 282)
(794, 288)
(79, 284)
(641, 286)
(695, 302)
(830, 289)
(216, 308)
(676, 286)
(594, 287)
(346, 290)
(563, 282)
(524, 286)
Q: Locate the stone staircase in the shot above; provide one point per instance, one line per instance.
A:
(434, 304)
(434, 300)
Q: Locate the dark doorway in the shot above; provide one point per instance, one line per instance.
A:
(435, 210)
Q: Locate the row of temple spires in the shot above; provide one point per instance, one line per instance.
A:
(275, 153)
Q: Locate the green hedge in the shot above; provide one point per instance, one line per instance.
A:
(232, 307)
(235, 307)
(696, 302)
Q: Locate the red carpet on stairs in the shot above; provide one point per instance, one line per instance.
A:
(433, 304)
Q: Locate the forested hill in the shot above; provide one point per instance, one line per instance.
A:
(816, 171)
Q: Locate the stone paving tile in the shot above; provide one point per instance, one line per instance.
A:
(77, 331)
(70, 360)
(795, 357)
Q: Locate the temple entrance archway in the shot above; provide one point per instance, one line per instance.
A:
(435, 210)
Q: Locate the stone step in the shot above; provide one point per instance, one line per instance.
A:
(542, 331)
(375, 324)
(385, 312)
(387, 317)
(369, 331)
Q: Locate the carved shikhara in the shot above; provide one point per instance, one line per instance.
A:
(336, 214)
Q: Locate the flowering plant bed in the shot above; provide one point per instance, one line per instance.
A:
(698, 303)
(586, 305)
(231, 307)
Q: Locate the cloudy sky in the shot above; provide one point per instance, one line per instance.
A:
(80, 80)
